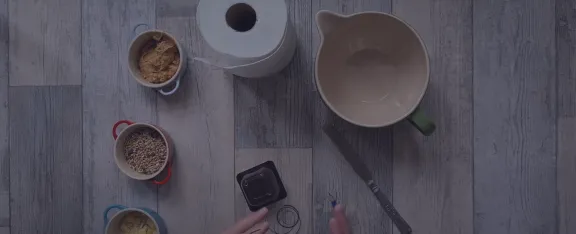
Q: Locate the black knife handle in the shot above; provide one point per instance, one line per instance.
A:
(400, 223)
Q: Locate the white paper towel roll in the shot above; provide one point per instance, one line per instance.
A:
(254, 37)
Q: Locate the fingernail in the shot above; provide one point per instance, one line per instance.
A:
(339, 207)
(263, 210)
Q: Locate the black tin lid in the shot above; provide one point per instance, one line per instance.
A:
(261, 185)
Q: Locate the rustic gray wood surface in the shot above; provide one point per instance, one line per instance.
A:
(566, 119)
(515, 117)
(502, 92)
(566, 171)
(46, 160)
(4, 144)
(109, 95)
(274, 112)
(200, 119)
(433, 175)
(45, 42)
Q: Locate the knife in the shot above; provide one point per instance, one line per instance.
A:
(360, 168)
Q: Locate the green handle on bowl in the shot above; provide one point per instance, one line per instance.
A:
(421, 122)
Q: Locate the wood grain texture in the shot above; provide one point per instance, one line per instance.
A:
(566, 57)
(295, 169)
(332, 174)
(271, 112)
(45, 42)
(566, 88)
(200, 119)
(4, 127)
(333, 177)
(110, 94)
(433, 175)
(566, 172)
(514, 117)
(46, 160)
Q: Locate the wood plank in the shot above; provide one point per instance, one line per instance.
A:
(332, 174)
(295, 169)
(566, 73)
(4, 127)
(46, 159)
(566, 57)
(110, 94)
(333, 177)
(271, 112)
(4, 230)
(45, 42)
(200, 120)
(515, 117)
(433, 175)
(566, 164)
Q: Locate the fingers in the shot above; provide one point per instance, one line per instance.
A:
(260, 228)
(248, 222)
(334, 228)
(339, 220)
(340, 216)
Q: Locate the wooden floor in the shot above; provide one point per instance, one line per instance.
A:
(502, 91)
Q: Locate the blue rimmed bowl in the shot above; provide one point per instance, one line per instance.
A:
(112, 225)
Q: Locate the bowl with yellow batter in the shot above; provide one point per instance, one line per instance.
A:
(133, 221)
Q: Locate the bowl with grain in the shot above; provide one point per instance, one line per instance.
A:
(157, 60)
(129, 220)
(142, 151)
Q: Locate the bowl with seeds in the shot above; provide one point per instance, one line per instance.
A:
(142, 151)
(133, 221)
(156, 60)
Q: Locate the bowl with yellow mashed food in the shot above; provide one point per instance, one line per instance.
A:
(133, 221)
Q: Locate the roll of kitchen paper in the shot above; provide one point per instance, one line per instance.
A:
(254, 37)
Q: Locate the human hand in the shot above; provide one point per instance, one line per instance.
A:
(338, 222)
(251, 224)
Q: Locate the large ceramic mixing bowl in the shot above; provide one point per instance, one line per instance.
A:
(372, 69)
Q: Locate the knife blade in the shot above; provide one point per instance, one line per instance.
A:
(362, 170)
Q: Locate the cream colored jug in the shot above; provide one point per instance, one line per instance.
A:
(372, 69)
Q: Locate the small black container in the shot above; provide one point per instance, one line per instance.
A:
(261, 185)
